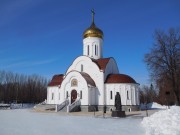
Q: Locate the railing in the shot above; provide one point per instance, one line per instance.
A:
(62, 105)
(73, 105)
(43, 103)
(5, 106)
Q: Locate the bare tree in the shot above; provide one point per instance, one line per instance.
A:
(163, 60)
(22, 88)
(148, 94)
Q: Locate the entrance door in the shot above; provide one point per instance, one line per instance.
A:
(73, 95)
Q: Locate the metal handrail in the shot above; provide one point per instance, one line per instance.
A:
(73, 105)
(62, 105)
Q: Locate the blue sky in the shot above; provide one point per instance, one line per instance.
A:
(45, 36)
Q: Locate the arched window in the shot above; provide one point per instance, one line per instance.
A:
(74, 83)
(110, 94)
(95, 50)
(52, 96)
(81, 94)
(82, 68)
(66, 94)
(88, 49)
(127, 95)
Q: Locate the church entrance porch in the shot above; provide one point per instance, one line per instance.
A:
(73, 95)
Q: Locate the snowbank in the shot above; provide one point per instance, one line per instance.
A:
(158, 106)
(151, 106)
(164, 122)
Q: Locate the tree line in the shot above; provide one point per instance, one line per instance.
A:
(148, 94)
(21, 88)
(163, 62)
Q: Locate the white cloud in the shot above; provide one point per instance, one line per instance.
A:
(29, 63)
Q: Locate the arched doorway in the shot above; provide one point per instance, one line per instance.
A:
(73, 95)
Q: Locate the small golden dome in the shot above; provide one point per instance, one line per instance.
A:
(93, 31)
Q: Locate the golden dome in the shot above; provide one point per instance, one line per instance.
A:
(93, 31)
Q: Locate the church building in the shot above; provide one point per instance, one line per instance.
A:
(92, 81)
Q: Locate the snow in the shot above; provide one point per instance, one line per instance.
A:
(158, 106)
(21, 106)
(152, 106)
(16, 106)
(164, 122)
(4, 104)
(27, 122)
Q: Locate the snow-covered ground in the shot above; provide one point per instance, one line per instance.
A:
(28, 122)
(164, 122)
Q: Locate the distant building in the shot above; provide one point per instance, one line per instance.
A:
(92, 81)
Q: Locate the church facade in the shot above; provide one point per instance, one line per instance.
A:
(92, 81)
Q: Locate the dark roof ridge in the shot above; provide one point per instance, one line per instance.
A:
(119, 78)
